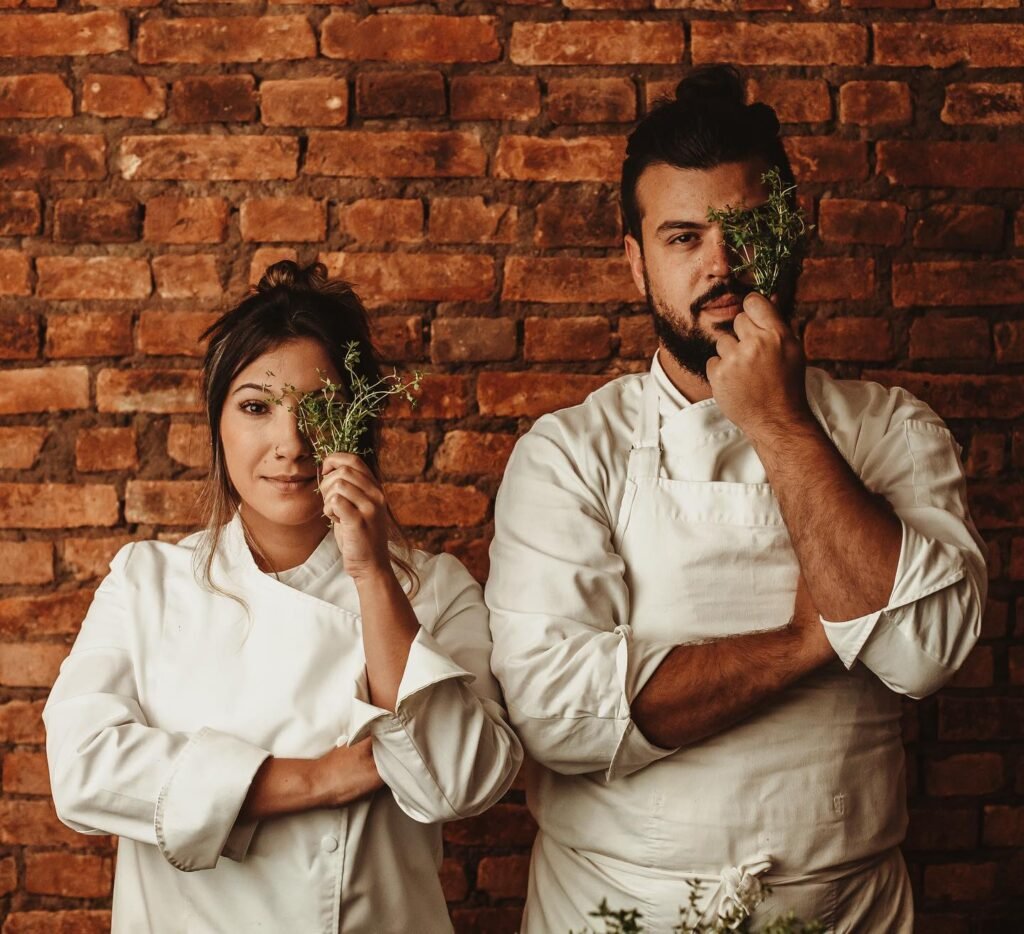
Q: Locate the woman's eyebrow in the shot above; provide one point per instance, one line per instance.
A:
(262, 388)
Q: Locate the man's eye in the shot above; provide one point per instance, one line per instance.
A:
(683, 238)
(253, 407)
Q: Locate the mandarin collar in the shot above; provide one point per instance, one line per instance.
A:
(324, 557)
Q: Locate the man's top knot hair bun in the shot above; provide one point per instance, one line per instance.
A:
(764, 118)
(290, 275)
(718, 90)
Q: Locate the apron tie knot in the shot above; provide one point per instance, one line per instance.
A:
(739, 891)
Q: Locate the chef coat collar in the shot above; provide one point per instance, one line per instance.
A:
(324, 558)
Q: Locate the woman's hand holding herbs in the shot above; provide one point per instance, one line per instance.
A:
(355, 504)
(758, 376)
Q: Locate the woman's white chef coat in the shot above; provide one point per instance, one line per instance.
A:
(637, 521)
(174, 695)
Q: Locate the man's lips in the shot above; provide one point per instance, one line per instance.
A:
(724, 305)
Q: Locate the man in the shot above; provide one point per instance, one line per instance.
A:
(711, 583)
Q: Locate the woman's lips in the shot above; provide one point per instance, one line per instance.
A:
(290, 486)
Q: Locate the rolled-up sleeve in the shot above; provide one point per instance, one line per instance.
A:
(112, 773)
(447, 751)
(564, 652)
(932, 620)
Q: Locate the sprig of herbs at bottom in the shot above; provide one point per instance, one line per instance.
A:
(763, 237)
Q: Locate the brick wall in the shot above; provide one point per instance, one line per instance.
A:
(457, 161)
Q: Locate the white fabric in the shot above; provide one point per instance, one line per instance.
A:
(637, 521)
(173, 696)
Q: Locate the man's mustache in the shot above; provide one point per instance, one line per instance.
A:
(738, 289)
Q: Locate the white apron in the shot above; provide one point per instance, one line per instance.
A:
(807, 794)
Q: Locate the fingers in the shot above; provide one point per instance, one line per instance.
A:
(762, 312)
(346, 500)
(333, 461)
(358, 474)
(725, 345)
(743, 327)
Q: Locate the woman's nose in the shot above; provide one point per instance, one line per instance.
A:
(289, 440)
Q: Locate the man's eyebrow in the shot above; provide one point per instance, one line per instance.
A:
(680, 225)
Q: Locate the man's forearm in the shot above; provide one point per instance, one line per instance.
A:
(846, 538)
(703, 688)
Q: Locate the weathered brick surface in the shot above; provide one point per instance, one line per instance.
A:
(460, 165)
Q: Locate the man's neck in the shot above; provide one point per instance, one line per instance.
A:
(688, 383)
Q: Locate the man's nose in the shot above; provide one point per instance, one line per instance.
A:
(717, 261)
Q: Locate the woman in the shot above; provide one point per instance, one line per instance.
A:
(292, 712)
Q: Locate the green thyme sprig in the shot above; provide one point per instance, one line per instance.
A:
(764, 237)
(332, 421)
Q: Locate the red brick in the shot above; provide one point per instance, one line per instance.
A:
(567, 280)
(472, 220)
(951, 164)
(89, 558)
(95, 220)
(934, 337)
(503, 876)
(19, 447)
(49, 389)
(532, 394)
(89, 334)
(1017, 663)
(401, 94)
(220, 99)
(794, 100)
(398, 337)
(104, 278)
(55, 34)
(994, 505)
(1010, 341)
(578, 217)
(173, 333)
(188, 277)
(636, 337)
(999, 282)
(398, 154)
(966, 774)
(461, 340)
(124, 96)
(19, 213)
(410, 38)
(502, 825)
(1004, 825)
(189, 444)
(25, 773)
(26, 562)
(209, 158)
(974, 227)
(453, 880)
(19, 333)
(987, 455)
(70, 875)
(473, 554)
(56, 505)
(935, 45)
(58, 922)
(954, 396)
(778, 43)
(265, 257)
(848, 221)
(942, 828)
(22, 722)
(391, 277)
(147, 391)
(494, 97)
(8, 875)
(186, 220)
(208, 40)
(976, 4)
(547, 339)
(978, 671)
(402, 453)
(474, 452)
(279, 219)
(596, 43)
(52, 156)
(31, 665)
(984, 104)
(440, 396)
(106, 449)
(848, 339)
(54, 614)
(162, 502)
(591, 100)
(439, 505)
(960, 882)
(824, 159)
(382, 221)
(487, 920)
(874, 103)
(34, 96)
(15, 273)
(980, 718)
(836, 280)
(304, 102)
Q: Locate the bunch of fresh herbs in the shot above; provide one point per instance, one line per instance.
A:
(763, 237)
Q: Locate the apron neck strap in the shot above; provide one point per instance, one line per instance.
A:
(645, 451)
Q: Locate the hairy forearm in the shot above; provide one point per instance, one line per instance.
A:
(701, 689)
(846, 538)
(389, 628)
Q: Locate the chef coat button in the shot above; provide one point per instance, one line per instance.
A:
(329, 844)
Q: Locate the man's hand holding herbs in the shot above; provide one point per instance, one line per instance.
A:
(758, 376)
(355, 504)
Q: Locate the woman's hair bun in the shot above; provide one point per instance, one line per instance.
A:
(716, 86)
(290, 275)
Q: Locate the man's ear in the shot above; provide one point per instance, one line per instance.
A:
(635, 255)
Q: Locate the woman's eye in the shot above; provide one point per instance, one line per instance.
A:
(253, 407)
